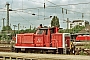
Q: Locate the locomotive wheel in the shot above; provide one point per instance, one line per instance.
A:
(54, 52)
(44, 52)
(37, 51)
(27, 50)
(16, 51)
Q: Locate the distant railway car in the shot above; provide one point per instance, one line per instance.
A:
(80, 39)
(83, 38)
(45, 40)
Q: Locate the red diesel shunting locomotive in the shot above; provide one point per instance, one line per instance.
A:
(46, 40)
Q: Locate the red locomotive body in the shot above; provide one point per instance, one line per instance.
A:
(46, 40)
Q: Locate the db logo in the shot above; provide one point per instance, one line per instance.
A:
(39, 40)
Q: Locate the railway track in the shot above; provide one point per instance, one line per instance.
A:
(33, 56)
(5, 48)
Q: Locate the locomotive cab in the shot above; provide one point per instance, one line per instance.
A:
(46, 30)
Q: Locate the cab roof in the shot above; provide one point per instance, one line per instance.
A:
(46, 28)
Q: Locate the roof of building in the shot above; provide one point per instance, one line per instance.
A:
(78, 21)
(85, 30)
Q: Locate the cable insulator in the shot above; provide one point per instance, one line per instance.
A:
(82, 15)
(50, 16)
(44, 5)
(66, 11)
(33, 14)
(62, 10)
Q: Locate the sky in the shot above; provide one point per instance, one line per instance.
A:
(23, 10)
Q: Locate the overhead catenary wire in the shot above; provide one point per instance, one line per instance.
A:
(11, 4)
(22, 5)
(22, 17)
(70, 4)
(58, 6)
(27, 13)
(47, 7)
(53, 6)
(70, 10)
(44, 9)
(31, 13)
(64, 5)
(35, 1)
(38, 14)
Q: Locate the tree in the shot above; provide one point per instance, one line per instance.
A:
(28, 30)
(5, 28)
(55, 21)
(78, 28)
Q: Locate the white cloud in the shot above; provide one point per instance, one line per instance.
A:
(64, 0)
